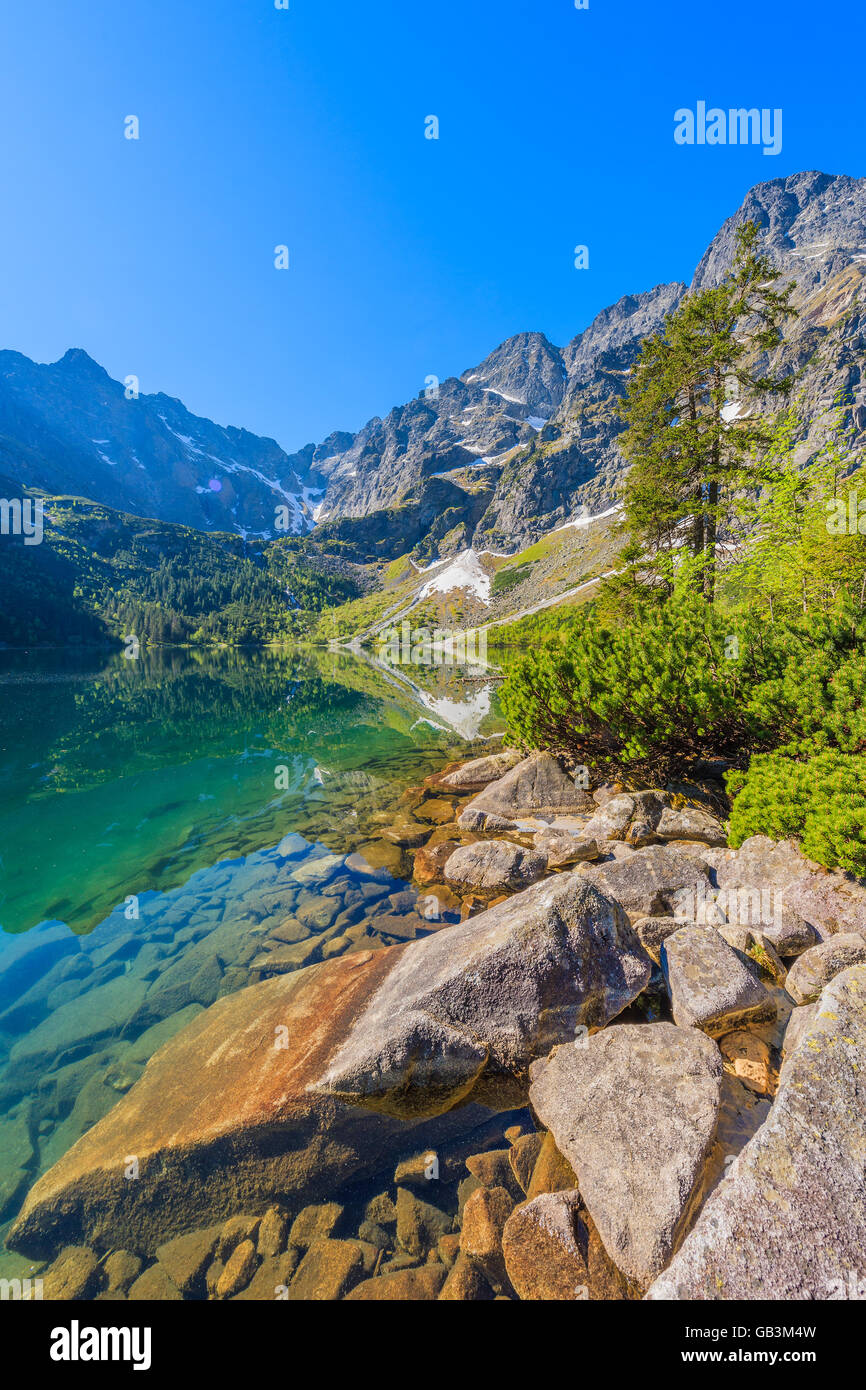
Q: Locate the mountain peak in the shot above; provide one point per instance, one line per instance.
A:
(77, 360)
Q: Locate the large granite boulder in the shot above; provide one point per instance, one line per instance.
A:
(634, 1110)
(464, 1012)
(536, 787)
(223, 1117)
(817, 966)
(789, 1219)
(831, 901)
(709, 986)
(494, 866)
(655, 882)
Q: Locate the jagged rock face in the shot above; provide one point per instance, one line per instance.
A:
(539, 478)
(69, 428)
(465, 423)
(815, 233)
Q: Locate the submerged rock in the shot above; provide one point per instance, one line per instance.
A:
(222, 1118)
(462, 1014)
(634, 1110)
(789, 1220)
(542, 1256)
(402, 1285)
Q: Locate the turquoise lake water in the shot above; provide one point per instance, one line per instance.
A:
(153, 815)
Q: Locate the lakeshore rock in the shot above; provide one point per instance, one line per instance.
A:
(222, 1118)
(799, 1023)
(431, 860)
(634, 1111)
(789, 1219)
(817, 966)
(536, 787)
(611, 821)
(709, 986)
(830, 901)
(479, 772)
(657, 881)
(652, 932)
(561, 849)
(493, 866)
(464, 1012)
(690, 823)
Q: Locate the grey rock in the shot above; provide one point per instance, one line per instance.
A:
(634, 1111)
(478, 772)
(653, 931)
(611, 821)
(709, 986)
(799, 1022)
(776, 869)
(464, 1012)
(789, 1219)
(536, 787)
(561, 849)
(812, 970)
(788, 933)
(492, 866)
(657, 881)
(691, 824)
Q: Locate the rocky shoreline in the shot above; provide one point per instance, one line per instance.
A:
(596, 1055)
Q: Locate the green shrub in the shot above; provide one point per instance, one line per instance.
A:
(652, 695)
(821, 801)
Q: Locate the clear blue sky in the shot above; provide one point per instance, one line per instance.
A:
(408, 256)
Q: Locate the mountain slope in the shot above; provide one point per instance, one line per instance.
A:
(532, 431)
(67, 427)
(100, 574)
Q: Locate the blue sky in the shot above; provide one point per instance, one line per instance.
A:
(408, 256)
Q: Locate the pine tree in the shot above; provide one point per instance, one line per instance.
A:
(691, 438)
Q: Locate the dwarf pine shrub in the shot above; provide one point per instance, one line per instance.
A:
(819, 800)
(783, 703)
(651, 695)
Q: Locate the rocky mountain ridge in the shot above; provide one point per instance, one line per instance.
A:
(68, 428)
(521, 443)
(529, 436)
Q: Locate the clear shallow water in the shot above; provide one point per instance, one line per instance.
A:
(153, 818)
